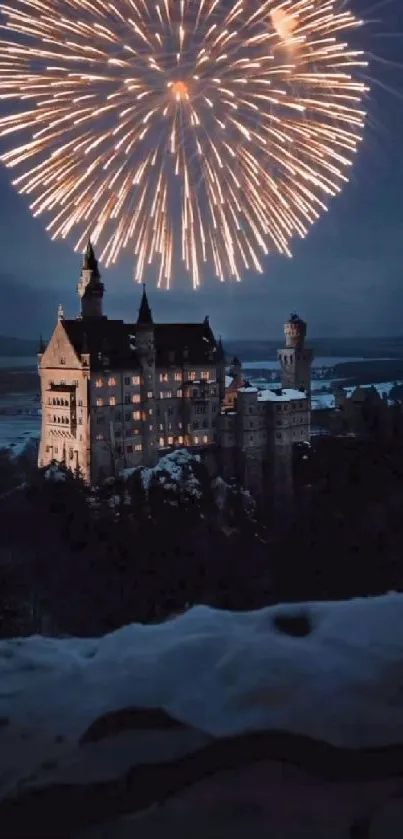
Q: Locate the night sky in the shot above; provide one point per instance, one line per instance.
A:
(346, 278)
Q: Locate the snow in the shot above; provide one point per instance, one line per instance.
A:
(222, 673)
(174, 471)
(287, 394)
(320, 401)
(55, 474)
(20, 421)
(247, 390)
(228, 381)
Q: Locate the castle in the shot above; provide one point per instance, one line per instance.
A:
(117, 395)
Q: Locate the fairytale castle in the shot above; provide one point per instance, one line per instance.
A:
(118, 395)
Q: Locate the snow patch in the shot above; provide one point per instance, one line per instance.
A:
(174, 471)
(331, 671)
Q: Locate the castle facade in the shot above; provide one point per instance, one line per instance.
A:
(117, 395)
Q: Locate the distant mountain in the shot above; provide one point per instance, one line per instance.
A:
(17, 346)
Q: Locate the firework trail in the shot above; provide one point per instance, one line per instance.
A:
(210, 129)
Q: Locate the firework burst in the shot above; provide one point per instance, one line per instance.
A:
(210, 129)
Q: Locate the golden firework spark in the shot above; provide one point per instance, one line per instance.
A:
(181, 126)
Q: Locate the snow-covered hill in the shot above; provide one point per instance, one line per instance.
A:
(330, 671)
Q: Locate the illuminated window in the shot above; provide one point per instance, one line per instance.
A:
(136, 415)
(180, 425)
(112, 400)
(161, 395)
(99, 383)
(112, 382)
(151, 427)
(180, 440)
(205, 375)
(170, 441)
(196, 440)
(164, 377)
(161, 441)
(150, 412)
(135, 380)
(205, 439)
(136, 398)
(161, 427)
(178, 377)
(138, 447)
(192, 375)
(100, 403)
(100, 436)
(150, 394)
(179, 394)
(168, 394)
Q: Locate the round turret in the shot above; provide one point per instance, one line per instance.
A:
(295, 332)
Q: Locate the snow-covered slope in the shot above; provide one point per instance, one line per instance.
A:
(219, 673)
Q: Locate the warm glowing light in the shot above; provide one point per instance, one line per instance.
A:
(284, 23)
(180, 90)
(204, 130)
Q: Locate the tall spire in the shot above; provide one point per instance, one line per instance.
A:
(90, 263)
(145, 317)
(90, 287)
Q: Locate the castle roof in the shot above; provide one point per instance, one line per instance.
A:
(112, 343)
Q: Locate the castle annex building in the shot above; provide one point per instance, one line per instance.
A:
(118, 395)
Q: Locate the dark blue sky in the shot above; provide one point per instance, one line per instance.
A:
(346, 278)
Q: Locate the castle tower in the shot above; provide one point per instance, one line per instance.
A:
(295, 358)
(145, 346)
(90, 287)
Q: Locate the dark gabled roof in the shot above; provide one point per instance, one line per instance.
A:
(107, 342)
(192, 343)
(114, 340)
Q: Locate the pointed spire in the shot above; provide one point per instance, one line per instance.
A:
(145, 316)
(90, 262)
(220, 350)
(60, 313)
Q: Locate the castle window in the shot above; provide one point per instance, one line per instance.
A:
(178, 377)
(150, 412)
(196, 440)
(205, 439)
(62, 361)
(179, 394)
(135, 380)
(100, 420)
(161, 441)
(56, 450)
(151, 427)
(180, 440)
(138, 447)
(80, 420)
(164, 377)
(100, 436)
(100, 403)
(112, 382)
(136, 432)
(192, 375)
(127, 399)
(194, 393)
(195, 425)
(128, 416)
(127, 380)
(161, 427)
(180, 425)
(99, 383)
(136, 398)
(170, 441)
(205, 375)
(129, 449)
(80, 403)
(213, 392)
(136, 416)
(118, 416)
(150, 394)
(112, 400)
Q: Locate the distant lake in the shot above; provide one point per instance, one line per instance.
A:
(15, 362)
(321, 361)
